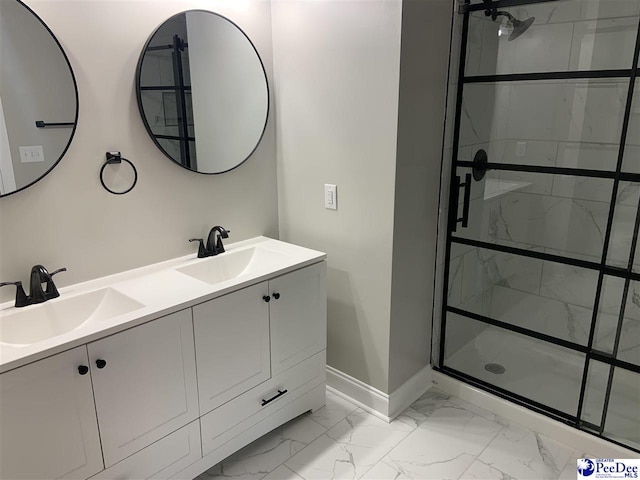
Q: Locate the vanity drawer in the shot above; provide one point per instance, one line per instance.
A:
(258, 403)
(161, 459)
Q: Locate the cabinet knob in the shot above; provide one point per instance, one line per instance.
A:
(101, 363)
(276, 296)
(266, 298)
(83, 369)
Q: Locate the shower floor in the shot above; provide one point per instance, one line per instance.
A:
(550, 375)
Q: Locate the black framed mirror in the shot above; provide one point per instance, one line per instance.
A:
(38, 98)
(202, 91)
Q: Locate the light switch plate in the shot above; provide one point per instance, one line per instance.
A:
(330, 196)
(31, 154)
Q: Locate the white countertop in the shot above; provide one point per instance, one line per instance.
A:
(160, 289)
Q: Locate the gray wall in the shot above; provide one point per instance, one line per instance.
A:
(67, 219)
(355, 111)
(336, 68)
(426, 28)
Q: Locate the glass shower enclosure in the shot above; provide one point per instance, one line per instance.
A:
(541, 301)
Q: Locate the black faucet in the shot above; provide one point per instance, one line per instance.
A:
(39, 275)
(214, 245)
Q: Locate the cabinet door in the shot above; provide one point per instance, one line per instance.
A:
(232, 345)
(48, 425)
(144, 381)
(298, 316)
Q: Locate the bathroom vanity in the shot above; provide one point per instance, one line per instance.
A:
(163, 371)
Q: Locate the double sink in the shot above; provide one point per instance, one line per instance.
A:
(85, 308)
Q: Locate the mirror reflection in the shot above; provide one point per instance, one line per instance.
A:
(202, 92)
(38, 98)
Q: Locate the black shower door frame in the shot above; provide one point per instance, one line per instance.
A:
(601, 267)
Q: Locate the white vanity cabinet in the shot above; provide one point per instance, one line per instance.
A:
(48, 425)
(171, 397)
(232, 345)
(144, 381)
(298, 316)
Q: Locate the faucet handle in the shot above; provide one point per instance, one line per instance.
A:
(51, 291)
(202, 252)
(63, 269)
(21, 297)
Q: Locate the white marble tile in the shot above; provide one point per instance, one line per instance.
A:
(603, 44)
(536, 152)
(349, 449)
(482, 471)
(582, 188)
(593, 156)
(384, 471)
(484, 115)
(570, 470)
(283, 473)
(424, 407)
(265, 454)
(569, 284)
(542, 48)
(455, 402)
(334, 410)
(550, 316)
(443, 446)
(524, 454)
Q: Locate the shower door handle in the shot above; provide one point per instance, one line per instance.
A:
(465, 205)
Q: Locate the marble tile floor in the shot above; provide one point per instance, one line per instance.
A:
(438, 437)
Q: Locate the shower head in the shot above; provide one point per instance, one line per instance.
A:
(519, 26)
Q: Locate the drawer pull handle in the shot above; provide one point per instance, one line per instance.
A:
(101, 363)
(83, 369)
(280, 393)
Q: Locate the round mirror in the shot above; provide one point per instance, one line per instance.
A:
(202, 92)
(38, 98)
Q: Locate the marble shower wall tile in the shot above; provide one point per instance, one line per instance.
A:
(577, 10)
(583, 111)
(603, 44)
(541, 314)
(564, 224)
(543, 48)
(624, 218)
(592, 156)
(622, 421)
(582, 188)
(569, 284)
(483, 116)
(526, 455)
(349, 449)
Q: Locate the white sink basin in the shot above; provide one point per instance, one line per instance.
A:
(24, 326)
(229, 265)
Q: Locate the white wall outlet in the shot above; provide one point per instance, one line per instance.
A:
(330, 196)
(521, 149)
(31, 154)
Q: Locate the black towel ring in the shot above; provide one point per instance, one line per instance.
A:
(112, 158)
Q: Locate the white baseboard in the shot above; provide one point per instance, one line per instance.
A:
(578, 439)
(378, 403)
